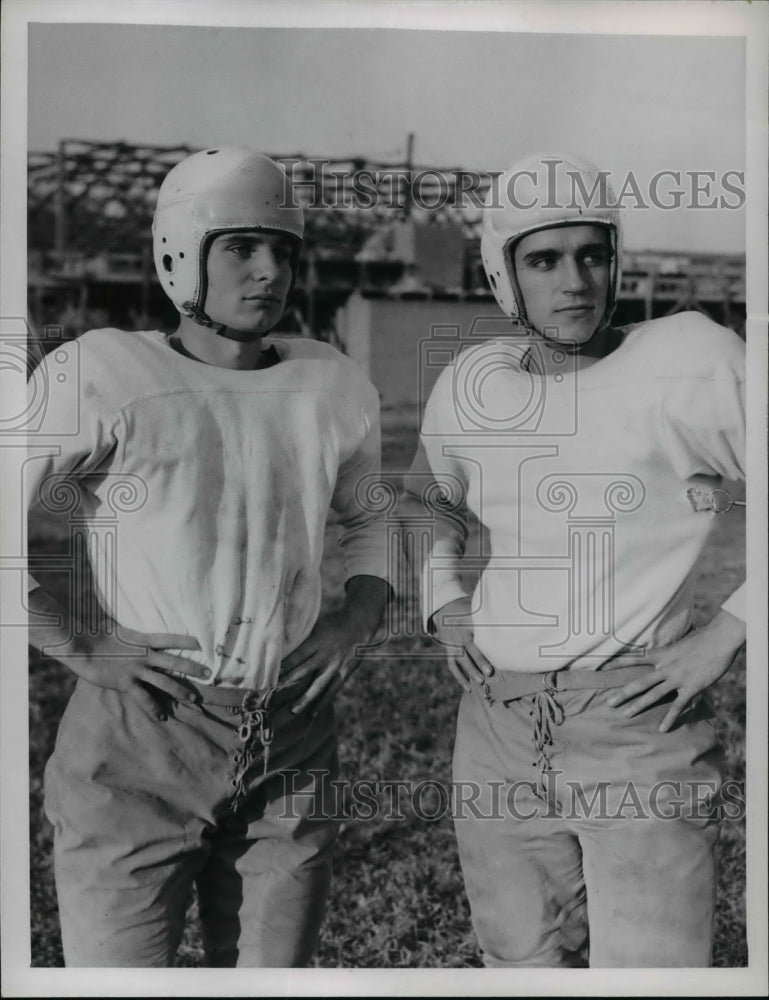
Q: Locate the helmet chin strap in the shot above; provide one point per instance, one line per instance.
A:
(532, 331)
(196, 313)
(220, 329)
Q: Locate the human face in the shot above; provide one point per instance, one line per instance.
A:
(249, 276)
(563, 278)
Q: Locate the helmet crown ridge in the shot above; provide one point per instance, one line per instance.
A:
(540, 192)
(214, 191)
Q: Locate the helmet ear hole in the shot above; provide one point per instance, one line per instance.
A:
(493, 281)
(168, 262)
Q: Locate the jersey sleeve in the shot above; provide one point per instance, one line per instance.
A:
(703, 418)
(703, 413)
(433, 509)
(360, 501)
(74, 437)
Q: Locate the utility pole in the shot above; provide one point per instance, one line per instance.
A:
(60, 202)
(410, 168)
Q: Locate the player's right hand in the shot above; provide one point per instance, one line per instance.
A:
(466, 662)
(108, 661)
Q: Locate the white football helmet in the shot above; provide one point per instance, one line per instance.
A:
(540, 192)
(218, 190)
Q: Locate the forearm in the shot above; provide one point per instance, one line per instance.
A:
(726, 632)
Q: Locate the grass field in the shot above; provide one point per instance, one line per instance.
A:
(397, 899)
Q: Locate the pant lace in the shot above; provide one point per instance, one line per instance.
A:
(255, 733)
(546, 712)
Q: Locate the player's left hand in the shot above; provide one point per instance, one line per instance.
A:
(329, 650)
(685, 667)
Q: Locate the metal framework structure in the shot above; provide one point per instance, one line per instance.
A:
(96, 196)
(90, 207)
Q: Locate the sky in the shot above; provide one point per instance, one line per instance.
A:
(472, 99)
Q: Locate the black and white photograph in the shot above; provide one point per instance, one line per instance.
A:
(384, 483)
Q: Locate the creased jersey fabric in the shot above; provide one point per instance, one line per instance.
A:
(212, 488)
(581, 480)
